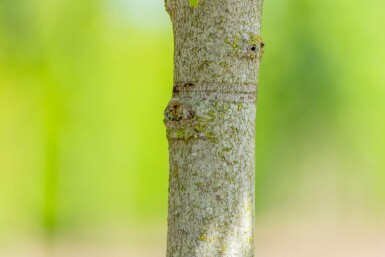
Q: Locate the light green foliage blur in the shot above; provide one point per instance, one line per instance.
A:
(83, 86)
(194, 3)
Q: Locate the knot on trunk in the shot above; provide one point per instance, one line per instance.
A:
(177, 111)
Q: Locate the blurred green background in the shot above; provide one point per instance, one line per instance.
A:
(83, 152)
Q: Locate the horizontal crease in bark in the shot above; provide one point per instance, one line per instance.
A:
(219, 91)
(228, 97)
(215, 87)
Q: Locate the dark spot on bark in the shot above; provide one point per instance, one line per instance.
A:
(188, 84)
(253, 48)
(262, 45)
(173, 111)
(190, 114)
(176, 89)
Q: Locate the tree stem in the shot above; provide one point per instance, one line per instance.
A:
(210, 123)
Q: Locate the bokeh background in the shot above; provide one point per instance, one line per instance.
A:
(83, 152)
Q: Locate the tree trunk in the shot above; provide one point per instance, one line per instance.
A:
(210, 123)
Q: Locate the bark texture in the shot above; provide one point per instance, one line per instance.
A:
(210, 123)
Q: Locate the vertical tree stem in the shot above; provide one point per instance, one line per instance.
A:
(210, 123)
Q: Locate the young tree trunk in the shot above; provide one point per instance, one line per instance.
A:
(210, 123)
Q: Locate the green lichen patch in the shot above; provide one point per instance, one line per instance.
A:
(198, 128)
(211, 115)
(210, 136)
(203, 237)
(204, 65)
(185, 134)
(220, 108)
(224, 250)
(227, 149)
(230, 178)
(224, 65)
(234, 42)
(254, 39)
(245, 44)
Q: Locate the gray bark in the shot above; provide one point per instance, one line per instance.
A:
(210, 123)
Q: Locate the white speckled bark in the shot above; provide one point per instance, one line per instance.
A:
(210, 124)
